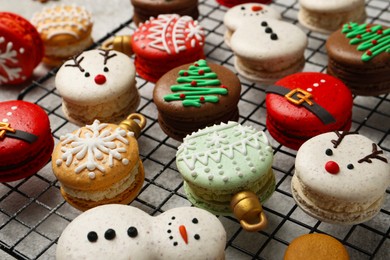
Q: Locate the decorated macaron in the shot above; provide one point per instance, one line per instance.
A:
(329, 16)
(98, 84)
(193, 96)
(26, 142)
(165, 42)
(144, 9)
(99, 163)
(225, 167)
(359, 55)
(278, 52)
(125, 232)
(340, 177)
(21, 49)
(307, 104)
(231, 3)
(65, 31)
(316, 246)
(243, 13)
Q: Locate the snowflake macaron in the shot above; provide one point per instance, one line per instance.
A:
(99, 163)
(21, 49)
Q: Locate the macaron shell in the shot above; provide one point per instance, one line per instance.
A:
(75, 87)
(125, 197)
(331, 5)
(253, 12)
(168, 37)
(231, 3)
(21, 40)
(316, 246)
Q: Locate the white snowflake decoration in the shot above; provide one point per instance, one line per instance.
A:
(94, 144)
(216, 139)
(10, 56)
(243, 131)
(194, 30)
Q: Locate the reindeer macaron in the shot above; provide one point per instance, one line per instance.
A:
(340, 177)
(98, 84)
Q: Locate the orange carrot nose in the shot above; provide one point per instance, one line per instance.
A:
(183, 233)
(256, 8)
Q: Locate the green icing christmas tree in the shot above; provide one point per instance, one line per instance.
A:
(373, 40)
(194, 86)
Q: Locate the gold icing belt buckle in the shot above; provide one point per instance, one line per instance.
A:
(4, 127)
(303, 96)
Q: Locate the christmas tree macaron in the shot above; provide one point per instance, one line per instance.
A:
(99, 163)
(196, 95)
(359, 55)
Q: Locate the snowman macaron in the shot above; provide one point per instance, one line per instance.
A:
(340, 177)
(98, 84)
(124, 232)
(236, 16)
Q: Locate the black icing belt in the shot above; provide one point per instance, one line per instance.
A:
(315, 108)
(21, 135)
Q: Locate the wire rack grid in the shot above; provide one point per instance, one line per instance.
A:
(33, 214)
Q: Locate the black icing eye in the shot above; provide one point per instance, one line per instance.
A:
(268, 30)
(132, 232)
(329, 152)
(173, 218)
(274, 36)
(197, 237)
(92, 236)
(175, 243)
(350, 166)
(106, 69)
(109, 234)
(242, 7)
(87, 74)
(264, 24)
(195, 221)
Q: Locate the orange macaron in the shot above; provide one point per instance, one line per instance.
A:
(316, 246)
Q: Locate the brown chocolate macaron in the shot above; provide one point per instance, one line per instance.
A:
(193, 96)
(359, 56)
(144, 9)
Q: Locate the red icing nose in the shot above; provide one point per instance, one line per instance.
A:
(256, 8)
(100, 79)
(183, 233)
(332, 167)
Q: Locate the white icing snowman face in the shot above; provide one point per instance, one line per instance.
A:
(248, 12)
(124, 232)
(95, 75)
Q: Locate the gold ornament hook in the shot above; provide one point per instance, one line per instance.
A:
(120, 43)
(131, 125)
(248, 210)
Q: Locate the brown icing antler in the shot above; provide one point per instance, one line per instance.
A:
(106, 55)
(77, 62)
(341, 136)
(374, 155)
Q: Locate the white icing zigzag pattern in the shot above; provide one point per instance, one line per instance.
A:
(94, 144)
(219, 144)
(61, 19)
(9, 57)
(169, 33)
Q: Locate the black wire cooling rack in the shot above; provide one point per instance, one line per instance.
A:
(33, 214)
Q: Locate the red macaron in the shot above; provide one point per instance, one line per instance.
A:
(303, 105)
(231, 3)
(26, 142)
(166, 42)
(21, 49)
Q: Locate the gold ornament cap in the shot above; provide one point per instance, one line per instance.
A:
(131, 125)
(120, 43)
(248, 210)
